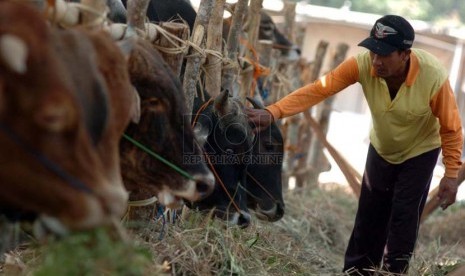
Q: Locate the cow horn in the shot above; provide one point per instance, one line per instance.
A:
(14, 52)
(126, 45)
(255, 103)
(136, 108)
(222, 103)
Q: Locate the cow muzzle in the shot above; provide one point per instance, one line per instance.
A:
(195, 189)
(113, 200)
(273, 214)
(241, 219)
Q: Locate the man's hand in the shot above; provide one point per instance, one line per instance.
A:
(259, 119)
(447, 191)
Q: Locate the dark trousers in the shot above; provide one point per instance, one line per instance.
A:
(389, 210)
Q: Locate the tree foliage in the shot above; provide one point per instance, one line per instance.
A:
(427, 10)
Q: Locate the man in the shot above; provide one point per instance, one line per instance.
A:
(414, 116)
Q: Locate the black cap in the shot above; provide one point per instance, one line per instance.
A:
(390, 33)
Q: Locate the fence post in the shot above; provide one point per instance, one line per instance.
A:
(194, 58)
(214, 44)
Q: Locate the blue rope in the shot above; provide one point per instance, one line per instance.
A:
(161, 213)
(49, 164)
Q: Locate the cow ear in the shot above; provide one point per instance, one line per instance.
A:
(201, 133)
(13, 53)
(135, 109)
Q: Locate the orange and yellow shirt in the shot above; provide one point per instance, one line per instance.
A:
(422, 116)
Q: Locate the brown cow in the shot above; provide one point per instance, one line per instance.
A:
(58, 128)
(164, 127)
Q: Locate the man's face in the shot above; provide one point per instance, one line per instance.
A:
(392, 65)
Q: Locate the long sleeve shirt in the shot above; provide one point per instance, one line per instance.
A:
(422, 116)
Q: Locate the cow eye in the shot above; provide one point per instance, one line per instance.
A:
(153, 101)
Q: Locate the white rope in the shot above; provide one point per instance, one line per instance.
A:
(138, 203)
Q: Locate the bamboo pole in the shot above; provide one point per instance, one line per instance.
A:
(433, 203)
(345, 167)
(172, 50)
(319, 57)
(289, 20)
(316, 157)
(214, 44)
(96, 13)
(232, 44)
(253, 24)
(265, 48)
(277, 86)
(137, 9)
(195, 58)
(305, 132)
(292, 70)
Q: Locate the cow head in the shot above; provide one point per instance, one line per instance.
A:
(264, 180)
(267, 31)
(48, 159)
(226, 138)
(164, 129)
(161, 11)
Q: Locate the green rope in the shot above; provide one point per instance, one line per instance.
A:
(159, 157)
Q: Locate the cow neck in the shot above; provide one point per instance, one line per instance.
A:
(258, 182)
(218, 178)
(46, 162)
(261, 187)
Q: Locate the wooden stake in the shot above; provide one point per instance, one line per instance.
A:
(194, 58)
(232, 45)
(315, 153)
(433, 203)
(214, 43)
(137, 10)
(96, 14)
(253, 23)
(305, 132)
(170, 49)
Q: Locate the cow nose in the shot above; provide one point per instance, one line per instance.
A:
(279, 210)
(204, 184)
(113, 199)
(244, 220)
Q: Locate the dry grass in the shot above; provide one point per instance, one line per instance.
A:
(309, 240)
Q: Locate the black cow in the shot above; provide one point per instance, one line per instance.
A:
(117, 11)
(182, 10)
(161, 11)
(264, 179)
(269, 31)
(249, 168)
(228, 152)
(223, 132)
